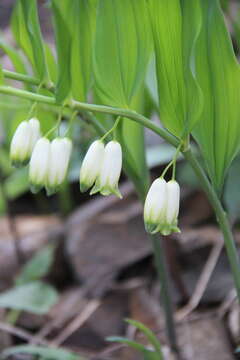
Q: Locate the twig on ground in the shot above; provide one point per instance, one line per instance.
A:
(23, 334)
(202, 282)
(77, 322)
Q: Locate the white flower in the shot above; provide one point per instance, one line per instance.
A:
(23, 141)
(39, 164)
(60, 152)
(155, 206)
(91, 165)
(162, 207)
(173, 201)
(107, 181)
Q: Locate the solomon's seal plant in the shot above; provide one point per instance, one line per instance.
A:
(103, 49)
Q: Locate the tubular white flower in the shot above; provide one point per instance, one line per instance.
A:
(60, 152)
(162, 207)
(107, 181)
(23, 141)
(91, 165)
(155, 206)
(35, 130)
(173, 201)
(39, 164)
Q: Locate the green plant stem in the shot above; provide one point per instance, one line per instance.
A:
(21, 77)
(26, 79)
(77, 105)
(212, 196)
(162, 272)
(221, 218)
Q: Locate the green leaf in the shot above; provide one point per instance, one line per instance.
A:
(147, 353)
(1, 76)
(63, 44)
(45, 352)
(17, 183)
(218, 73)
(128, 342)
(121, 51)
(27, 32)
(14, 56)
(37, 267)
(175, 26)
(82, 21)
(149, 334)
(51, 63)
(35, 297)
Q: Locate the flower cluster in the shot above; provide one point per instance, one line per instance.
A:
(162, 207)
(101, 167)
(100, 172)
(49, 164)
(48, 160)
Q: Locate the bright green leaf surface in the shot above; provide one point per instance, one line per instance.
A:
(27, 32)
(218, 72)
(82, 20)
(175, 26)
(63, 44)
(122, 48)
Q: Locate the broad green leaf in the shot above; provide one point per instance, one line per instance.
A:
(63, 40)
(35, 297)
(175, 27)
(121, 51)
(42, 351)
(82, 20)
(27, 32)
(218, 73)
(37, 267)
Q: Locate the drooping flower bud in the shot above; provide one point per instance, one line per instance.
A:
(39, 164)
(162, 207)
(107, 181)
(91, 165)
(60, 152)
(23, 141)
(155, 206)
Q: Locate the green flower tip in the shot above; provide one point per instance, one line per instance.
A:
(84, 187)
(35, 188)
(162, 229)
(51, 190)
